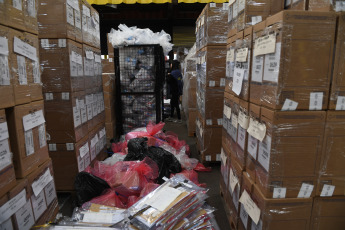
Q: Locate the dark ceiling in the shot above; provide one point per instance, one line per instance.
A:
(176, 19)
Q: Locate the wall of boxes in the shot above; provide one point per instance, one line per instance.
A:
(52, 113)
(283, 115)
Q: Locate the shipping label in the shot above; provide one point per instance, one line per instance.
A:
(39, 184)
(50, 192)
(265, 45)
(24, 49)
(70, 15)
(252, 146)
(272, 65)
(33, 120)
(5, 154)
(257, 69)
(250, 207)
(12, 206)
(38, 204)
(29, 142)
(4, 70)
(264, 153)
(25, 216)
(42, 135)
(23, 79)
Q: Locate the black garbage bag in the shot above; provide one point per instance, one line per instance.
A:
(88, 186)
(166, 161)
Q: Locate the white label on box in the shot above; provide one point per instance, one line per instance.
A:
(3, 131)
(23, 80)
(12, 206)
(231, 2)
(264, 154)
(305, 191)
(256, 129)
(76, 117)
(5, 154)
(213, 5)
(212, 83)
(110, 60)
(223, 156)
(257, 69)
(102, 133)
(81, 165)
(49, 96)
(42, 135)
(93, 153)
(94, 141)
(29, 143)
(272, 65)
(33, 120)
(289, 105)
(69, 146)
(220, 121)
(4, 46)
(250, 207)
(228, 55)
(74, 4)
(65, 96)
(62, 43)
(235, 10)
(340, 103)
(339, 6)
(234, 120)
(31, 8)
(222, 82)
(24, 49)
(87, 160)
(4, 71)
(70, 15)
(84, 150)
(83, 115)
(241, 5)
(327, 190)
(45, 43)
(257, 226)
(18, 4)
(236, 197)
(209, 122)
(227, 111)
(7, 225)
(98, 58)
(36, 73)
(86, 11)
(50, 192)
(89, 55)
(77, 58)
(73, 69)
(89, 112)
(233, 180)
(256, 20)
(265, 45)
(238, 80)
(25, 217)
(38, 204)
(252, 146)
(244, 216)
(52, 147)
(279, 193)
(232, 55)
(315, 102)
(77, 19)
(241, 55)
(39, 184)
(218, 158)
(225, 6)
(208, 158)
(241, 137)
(243, 120)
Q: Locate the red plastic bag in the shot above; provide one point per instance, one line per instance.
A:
(119, 147)
(148, 188)
(201, 168)
(132, 200)
(109, 198)
(153, 129)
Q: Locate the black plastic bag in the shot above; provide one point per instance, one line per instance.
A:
(88, 186)
(166, 161)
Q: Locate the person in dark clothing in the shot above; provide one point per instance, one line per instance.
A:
(175, 83)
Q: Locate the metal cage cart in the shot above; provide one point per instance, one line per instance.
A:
(140, 74)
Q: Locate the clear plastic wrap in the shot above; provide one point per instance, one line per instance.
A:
(291, 73)
(296, 4)
(60, 19)
(326, 5)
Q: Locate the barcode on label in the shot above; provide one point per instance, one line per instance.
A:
(29, 143)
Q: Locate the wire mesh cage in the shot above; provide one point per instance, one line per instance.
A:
(140, 76)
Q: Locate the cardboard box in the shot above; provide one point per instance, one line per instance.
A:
(255, 85)
(14, 14)
(328, 213)
(7, 81)
(67, 116)
(252, 143)
(325, 5)
(30, 16)
(92, 66)
(242, 135)
(292, 72)
(59, 19)
(230, 113)
(337, 93)
(7, 175)
(212, 25)
(69, 159)
(90, 25)
(332, 171)
(210, 104)
(28, 142)
(211, 66)
(108, 65)
(247, 185)
(290, 153)
(63, 74)
(7, 224)
(191, 118)
(110, 130)
(110, 47)
(282, 213)
(50, 214)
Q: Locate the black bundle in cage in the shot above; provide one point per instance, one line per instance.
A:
(140, 77)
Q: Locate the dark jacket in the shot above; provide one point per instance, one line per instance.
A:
(176, 82)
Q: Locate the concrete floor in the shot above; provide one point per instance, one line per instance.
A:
(66, 200)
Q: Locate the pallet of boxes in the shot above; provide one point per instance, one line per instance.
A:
(211, 35)
(72, 87)
(27, 188)
(283, 144)
(189, 90)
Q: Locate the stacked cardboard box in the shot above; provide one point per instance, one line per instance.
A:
(27, 190)
(291, 157)
(108, 82)
(189, 90)
(210, 55)
(72, 87)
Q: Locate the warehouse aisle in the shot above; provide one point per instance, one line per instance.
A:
(210, 178)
